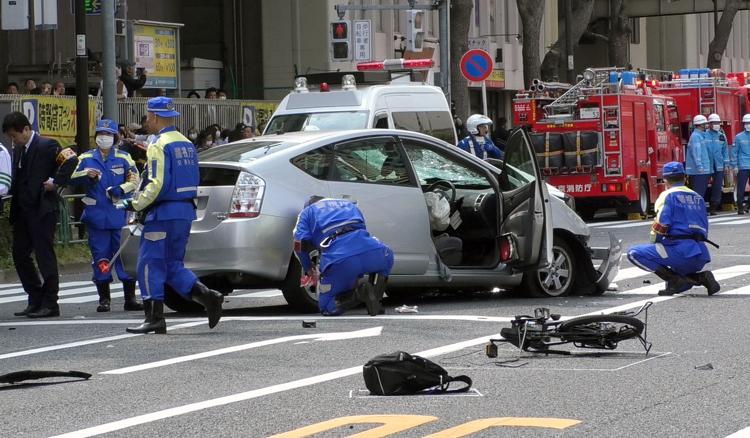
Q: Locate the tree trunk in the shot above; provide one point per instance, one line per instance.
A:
(532, 13)
(721, 36)
(555, 60)
(618, 35)
(459, 34)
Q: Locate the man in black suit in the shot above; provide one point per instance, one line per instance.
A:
(40, 167)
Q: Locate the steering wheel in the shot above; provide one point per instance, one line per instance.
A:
(447, 184)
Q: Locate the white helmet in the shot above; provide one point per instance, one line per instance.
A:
(474, 121)
(699, 120)
(714, 118)
(746, 118)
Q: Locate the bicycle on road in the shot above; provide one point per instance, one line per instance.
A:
(543, 330)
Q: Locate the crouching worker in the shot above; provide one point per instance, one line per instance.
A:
(108, 174)
(170, 186)
(336, 228)
(678, 251)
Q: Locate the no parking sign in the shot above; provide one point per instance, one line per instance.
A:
(248, 116)
(476, 66)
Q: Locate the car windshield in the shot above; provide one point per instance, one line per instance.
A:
(328, 121)
(431, 166)
(243, 152)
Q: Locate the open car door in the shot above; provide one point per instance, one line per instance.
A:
(526, 229)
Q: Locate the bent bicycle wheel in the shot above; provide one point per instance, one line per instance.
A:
(602, 331)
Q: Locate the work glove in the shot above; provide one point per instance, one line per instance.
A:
(735, 170)
(127, 205)
(114, 192)
(488, 147)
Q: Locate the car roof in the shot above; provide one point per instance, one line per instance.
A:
(308, 136)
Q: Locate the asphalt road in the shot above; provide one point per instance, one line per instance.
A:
(259, 373)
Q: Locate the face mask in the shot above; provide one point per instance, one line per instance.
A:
(222, 97)
(193, 136)
(104, 143)
(207, 143)
(716, 128)
(747, 127)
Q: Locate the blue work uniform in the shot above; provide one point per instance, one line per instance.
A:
(102, 219)
(698, 162)
(679, 212)
(170, 186)
(347, 251)
(718, 150)
(488, 150)
(741, 161)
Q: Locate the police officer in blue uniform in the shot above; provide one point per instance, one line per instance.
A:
(718, 150)
(108, 175)
(336, 228)
(697, 157)
(478, 143)
(677, 252)
(741, 162)
(167, 201)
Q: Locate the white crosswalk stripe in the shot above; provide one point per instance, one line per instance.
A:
(77, 292)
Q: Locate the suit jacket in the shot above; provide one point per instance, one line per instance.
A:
(45, 159)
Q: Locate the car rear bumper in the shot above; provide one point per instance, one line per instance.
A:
(610, 266)
(246, 246)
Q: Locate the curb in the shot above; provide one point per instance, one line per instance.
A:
(10, 275)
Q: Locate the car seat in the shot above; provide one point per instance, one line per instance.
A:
(449, 249)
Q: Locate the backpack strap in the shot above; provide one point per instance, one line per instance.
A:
(463, 379)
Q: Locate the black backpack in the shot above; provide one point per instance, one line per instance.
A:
(400, 373)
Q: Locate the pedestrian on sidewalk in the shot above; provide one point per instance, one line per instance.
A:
(108, 175)
(40, 167)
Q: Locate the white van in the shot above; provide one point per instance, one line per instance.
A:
(364, 99)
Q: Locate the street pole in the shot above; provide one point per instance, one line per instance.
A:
(569, 42)
(109, 85)
(445, 65)
(82, 80)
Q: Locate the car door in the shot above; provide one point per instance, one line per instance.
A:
(371, 171)
(527, 213)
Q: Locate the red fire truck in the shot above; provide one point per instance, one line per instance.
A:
(605, 140)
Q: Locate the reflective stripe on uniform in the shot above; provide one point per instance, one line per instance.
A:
(661, 250)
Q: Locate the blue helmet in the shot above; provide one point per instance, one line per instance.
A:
(108, 126)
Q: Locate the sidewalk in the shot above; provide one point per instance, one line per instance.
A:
(10, 276)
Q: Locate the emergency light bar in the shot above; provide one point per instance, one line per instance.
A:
(397, 64)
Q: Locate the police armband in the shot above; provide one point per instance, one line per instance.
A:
(65, 155)
(659, 228)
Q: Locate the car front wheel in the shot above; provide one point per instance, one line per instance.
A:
(555, 280)
(302, 299)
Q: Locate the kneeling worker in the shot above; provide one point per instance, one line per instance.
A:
(170, 187)
(336, 228)
(678, 251)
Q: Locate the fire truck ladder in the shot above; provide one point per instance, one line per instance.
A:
(567, 104)
(611, 131)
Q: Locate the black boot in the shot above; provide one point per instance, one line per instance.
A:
(674, 282)
(366, 293)
(740, 208)
(130, 302)
(210, 299)
(154, 322)
(105, 298)
(712, 209)
(347, 300)
(707, 280)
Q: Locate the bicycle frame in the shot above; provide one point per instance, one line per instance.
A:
(542, 331)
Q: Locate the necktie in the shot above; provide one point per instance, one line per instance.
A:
(22, 161)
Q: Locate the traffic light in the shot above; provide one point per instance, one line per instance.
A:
(341, 41)
(415, 32)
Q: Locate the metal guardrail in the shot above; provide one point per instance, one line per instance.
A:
(67, 220)
(194, 113)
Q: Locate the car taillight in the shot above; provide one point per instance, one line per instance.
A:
(248, 196)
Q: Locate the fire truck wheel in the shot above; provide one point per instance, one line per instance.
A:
(641, 206)
(557, 280)
(586, 211)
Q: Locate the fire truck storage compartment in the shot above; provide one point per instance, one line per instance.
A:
(549, 149)
(581, 149)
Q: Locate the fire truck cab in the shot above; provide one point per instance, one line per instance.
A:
(605, 140)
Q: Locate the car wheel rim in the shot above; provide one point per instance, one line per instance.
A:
(555, 280)
(644, 200)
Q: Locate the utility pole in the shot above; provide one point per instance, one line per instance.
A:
(569, 42)
(82, 80)
(109, 84)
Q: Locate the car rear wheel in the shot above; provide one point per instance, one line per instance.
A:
(302, 299)
(556, 280)
(174, 301)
